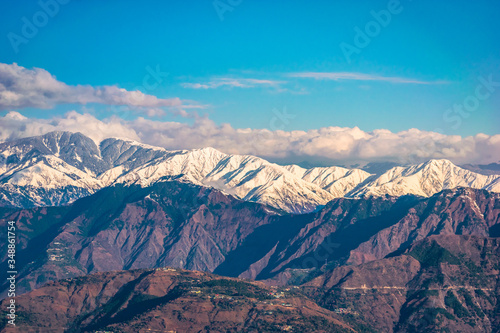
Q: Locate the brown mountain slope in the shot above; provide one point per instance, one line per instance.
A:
(170, 224)
(446, 283)
(169, 300)
(356, 232)
(186, 226)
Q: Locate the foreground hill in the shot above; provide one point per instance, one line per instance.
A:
(169, 300)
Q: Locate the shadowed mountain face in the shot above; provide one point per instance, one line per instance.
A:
(358, 231)
(177, 224)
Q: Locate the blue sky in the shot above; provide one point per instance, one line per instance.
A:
(262, 46)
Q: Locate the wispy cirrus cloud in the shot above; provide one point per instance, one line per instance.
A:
(21, 87)
(354, 76)
(233, 83)
(229, 82)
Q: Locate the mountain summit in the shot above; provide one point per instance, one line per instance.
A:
(60, 167)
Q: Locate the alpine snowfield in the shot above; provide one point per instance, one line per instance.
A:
(60, 167)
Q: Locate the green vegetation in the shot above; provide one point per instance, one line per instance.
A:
(491, 299)
(473, 268)
(300, 276)
(436, 279)
(138, 299)
(469, 301)
(430, 315)
(432, 255)
(235, 288)
(452, 301)
(424, 293)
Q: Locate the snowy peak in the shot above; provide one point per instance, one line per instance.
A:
(59, 161)
(426, 179)
(73, 148)
(335, 180)
(246, 177)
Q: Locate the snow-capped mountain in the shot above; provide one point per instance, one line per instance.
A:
(246, 177)
(426, 179)
(60, 167)
(46, 170)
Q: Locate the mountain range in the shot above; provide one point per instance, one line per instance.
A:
(59, 167)
(121, 236)
(178, 224)
(444, 283)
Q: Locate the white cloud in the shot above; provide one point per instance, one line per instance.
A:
(334, 144)
(14, 125)
(21, 87)
(232, 83)
(337, 76)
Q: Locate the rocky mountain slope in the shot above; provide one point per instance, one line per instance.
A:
(173, 223)
(169, 300)
(60, 167)
(168, 224)
(444, 283)
(362, 230)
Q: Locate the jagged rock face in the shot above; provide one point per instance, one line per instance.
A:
(169, 300)
(73, 148)
(61, 167)
(445, 282)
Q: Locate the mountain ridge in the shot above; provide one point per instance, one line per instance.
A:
(60, 167)
(175, 223)
(441, 283)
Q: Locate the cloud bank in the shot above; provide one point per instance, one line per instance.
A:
(21, 88)
(329, 144)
